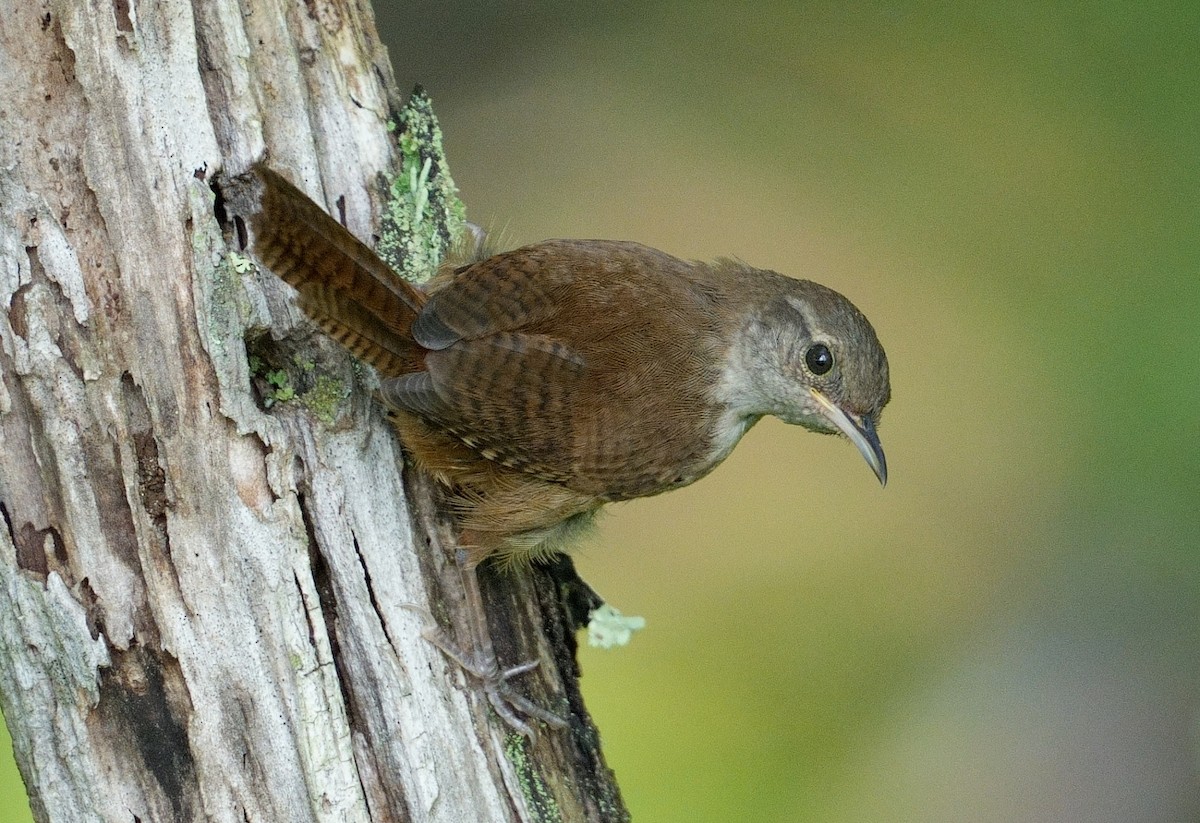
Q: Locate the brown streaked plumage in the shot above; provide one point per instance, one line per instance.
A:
(541, 383)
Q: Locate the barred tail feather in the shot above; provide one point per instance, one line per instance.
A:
(342, 284)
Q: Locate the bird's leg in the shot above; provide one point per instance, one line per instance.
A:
(504, 698)
(482, 663)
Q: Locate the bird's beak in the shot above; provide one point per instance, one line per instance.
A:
(861, 432)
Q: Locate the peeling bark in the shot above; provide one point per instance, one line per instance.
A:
(205, 603)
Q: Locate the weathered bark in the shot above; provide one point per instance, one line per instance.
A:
(204, 603)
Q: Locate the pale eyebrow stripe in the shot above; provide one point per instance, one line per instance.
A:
(802, 310)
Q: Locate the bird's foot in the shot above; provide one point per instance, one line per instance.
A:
(516, 710)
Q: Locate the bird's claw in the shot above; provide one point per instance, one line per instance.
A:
(512, 707)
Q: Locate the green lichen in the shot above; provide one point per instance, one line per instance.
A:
(537, 794)
(281, 390)
(324, 398)
(241, 263)
(282, 378)
(424, 216)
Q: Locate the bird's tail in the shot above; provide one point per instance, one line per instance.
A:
(341, 283)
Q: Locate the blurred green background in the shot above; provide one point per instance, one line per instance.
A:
(1011, 192)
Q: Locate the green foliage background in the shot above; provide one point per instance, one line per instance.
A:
(1011, 192)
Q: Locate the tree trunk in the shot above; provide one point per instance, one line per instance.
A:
(206, 598)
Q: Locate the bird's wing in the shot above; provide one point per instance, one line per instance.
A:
(542, 359)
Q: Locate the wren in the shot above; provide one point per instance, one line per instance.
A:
(539, 384)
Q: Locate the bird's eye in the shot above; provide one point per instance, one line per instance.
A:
(818, 358)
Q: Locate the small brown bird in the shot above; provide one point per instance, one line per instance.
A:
(539, 384)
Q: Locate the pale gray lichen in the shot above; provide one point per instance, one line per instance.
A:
(424, 216)
(227, 304)
(608, 628)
